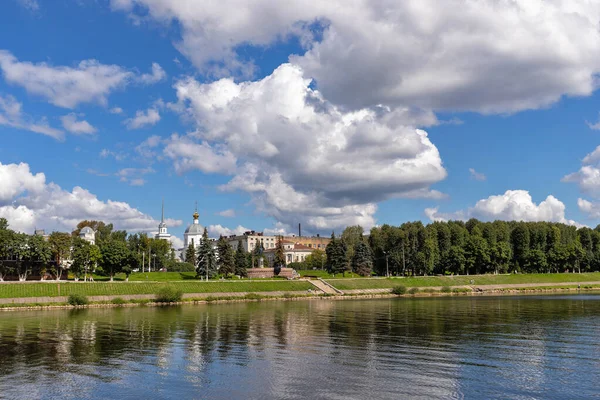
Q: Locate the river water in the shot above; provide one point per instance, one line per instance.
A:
(527, 347)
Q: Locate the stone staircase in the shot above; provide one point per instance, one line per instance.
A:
(325, 287)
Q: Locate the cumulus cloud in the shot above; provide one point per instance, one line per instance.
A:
(133, 176)
(478, 176)
(147, 149)
(67, 87)
(143, 118)
(29, 201)
(119, 156)
(176, 242)
(301, 158)
(230, 213)
(31, 5)
(422, 53)
(588, 176)
(157, 75)
(513, 205)
(73, 125)
(219, 230)
(11, 114)
(116, 110)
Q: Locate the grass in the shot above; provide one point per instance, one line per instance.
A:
(325, 275)
(425, 281)
(44, 289)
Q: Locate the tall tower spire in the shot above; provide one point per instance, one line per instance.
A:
(196, 215)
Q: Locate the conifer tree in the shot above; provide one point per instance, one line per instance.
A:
(241, 261)
(362, 261)
(226, 257)
(279, 261)
(190, 255)
(207, 263)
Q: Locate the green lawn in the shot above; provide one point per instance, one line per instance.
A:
(12, 290)
(325, 275)
(423, 281)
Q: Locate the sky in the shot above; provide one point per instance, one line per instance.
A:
(269, 114)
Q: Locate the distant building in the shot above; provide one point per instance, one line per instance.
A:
(162, 227)
(88, 234)
(313, 242)
(42, 233)
(251, 239)
(293, 252)
(193, 233)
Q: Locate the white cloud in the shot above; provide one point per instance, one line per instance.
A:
(478, 176)
(71, 124)
(176, 242)
(188, 155)
(422, 53)
(513, 205)
(116, 110)
(588, 176)
(147, 148)
(11, 114)
(31, 5)
(301, 158)
(105, 153)
(230, 213)
(219, 230)
(591, 209)
(133, 176)
(149, 117)
(157, 75)
(30, 202)
(67, 87)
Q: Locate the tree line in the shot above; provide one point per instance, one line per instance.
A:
(471, 247)
(114, 251)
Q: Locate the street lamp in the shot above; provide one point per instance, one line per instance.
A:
(387, 269)
(154, 257)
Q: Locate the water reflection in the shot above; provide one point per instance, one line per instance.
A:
(525, 347)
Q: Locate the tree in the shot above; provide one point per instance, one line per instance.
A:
(336, 256)
(241, 261)
(362, 261)
(85, 258)
(31, 250)
(279, 261)
(60, 244)
(190, 255)
(352, 236)
(207, 264)
(316, 259)
(226, 257)
(6, 244)
(115, 256)
(456, 260)
(102, 230)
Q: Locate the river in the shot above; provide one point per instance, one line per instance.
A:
(525, 347)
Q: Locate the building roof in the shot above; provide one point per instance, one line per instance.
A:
(194, 229)
(86, 231)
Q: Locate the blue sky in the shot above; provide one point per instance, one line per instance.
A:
(270, 115)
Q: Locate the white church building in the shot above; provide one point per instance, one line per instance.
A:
(193, 233)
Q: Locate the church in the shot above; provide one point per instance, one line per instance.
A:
(162, 227)
(193, 233)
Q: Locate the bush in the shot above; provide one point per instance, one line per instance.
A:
(180, 267)
(446, 289)
(168, 294)
(118, 301)
(253, 296)
(77, 300)
(399, 290)
(413, 290)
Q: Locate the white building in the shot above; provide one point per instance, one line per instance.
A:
(294, 252)
(193, 233)
(162, 227)
(251, 239)
(88, 235)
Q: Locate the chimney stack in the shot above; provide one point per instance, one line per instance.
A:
(299, 230)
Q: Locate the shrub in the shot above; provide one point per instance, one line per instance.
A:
(446, 289)
(253, 296)
(399, 290)
(118, 301)
(168, 294)
(413, 290)
(77, 300)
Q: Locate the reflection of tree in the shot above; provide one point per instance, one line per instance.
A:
(81, 341)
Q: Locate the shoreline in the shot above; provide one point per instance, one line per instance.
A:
(255, 297)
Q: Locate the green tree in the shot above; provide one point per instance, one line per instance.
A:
(85, 258)
(279, 261)
(456, 260)
(316, 260)
(226, 257)
(536, 261)
(190, 255)
(241, 261)
(362, 261)
(336, 256)
(115, 256)
(7, 241)
(60, 244)
(33, 251)
(352, 236)
(207, 263)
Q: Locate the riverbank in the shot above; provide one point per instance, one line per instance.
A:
(219, 298)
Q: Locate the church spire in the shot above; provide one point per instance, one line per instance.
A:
(196, 215)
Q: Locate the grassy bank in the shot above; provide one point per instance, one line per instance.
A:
(424, 281)
(325, 275)
(44, 289)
